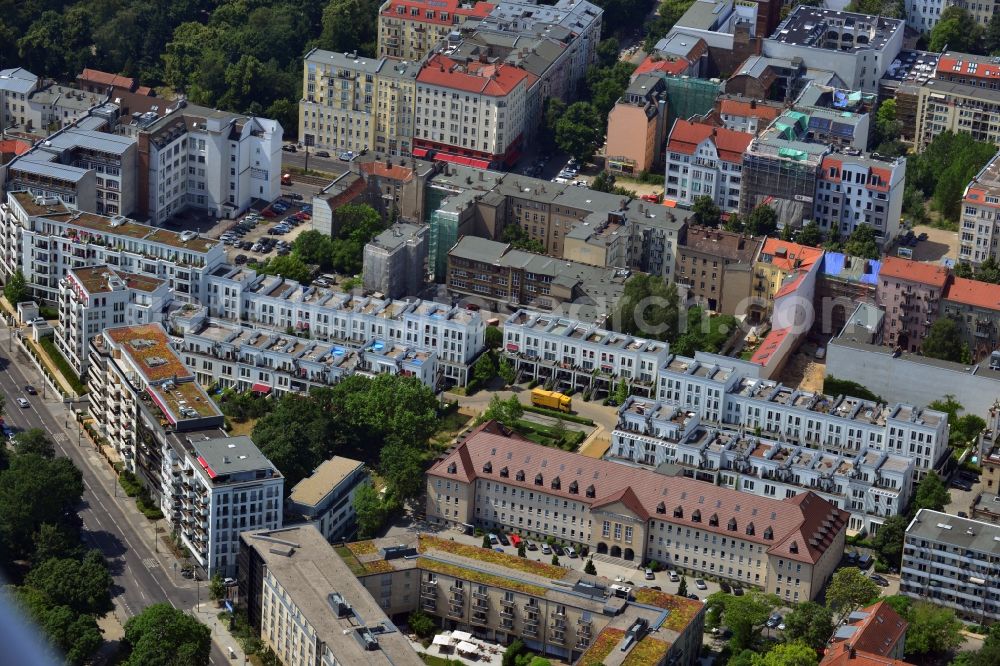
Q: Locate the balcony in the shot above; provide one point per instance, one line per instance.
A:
(530, 607)
(506, 623)
(481, 595)
(507, 611)
(429, 587)
(429, 605)
(480, 618)
(530, 630)
(558, 637)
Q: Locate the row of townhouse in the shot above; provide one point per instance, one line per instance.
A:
(44, 238)
(234, 294)
(872, 484)
(721, 390)
(169, 432)
(495, 479)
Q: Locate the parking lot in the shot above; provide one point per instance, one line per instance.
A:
(254, 230)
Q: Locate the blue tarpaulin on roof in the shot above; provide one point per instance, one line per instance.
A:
(871, 275)
(833, 263)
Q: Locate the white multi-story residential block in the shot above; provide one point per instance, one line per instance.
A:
(44, 238)
(546, 347)
(16, 85)
(94, 298)
(214, 161)
(705, 161)
(952, 562)
(169, 433)
(856, 188)
(980, 232)
(326, 497)
(871, 484)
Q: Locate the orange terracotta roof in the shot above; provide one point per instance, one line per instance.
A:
(380, 169)
(489, 454)
(496, 80)
(769, 345)
(973, 292)
(685, 136)
(14, 146)
(914, 271)
(880, 631)
(749, 109)
(430, 12)
(970, 65)
(841, 655)
(671, 65)
(108, 79)
(788, 256)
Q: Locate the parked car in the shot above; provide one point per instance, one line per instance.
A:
(240, 259)
(294, 196)
(881, 581)
(570, 551)
(256, 247)
(322, 153)
(503, 538)
(558, 550)
(961, 484)
(652, 198)
(23, 403)
(230, 582)
(30, 390)
(531, 545)
(674, 578)
(725, 587)
(773, 621)
(693, 597)
(493, 539)
(700, 584)
(922, 237)
(345, 156)
(289, 148)
(864, 561)
(546, 549)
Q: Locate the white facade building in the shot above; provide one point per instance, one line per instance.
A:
(326, 497)
(856, 188)
(44, 238)
(871, 484)
(703, 160)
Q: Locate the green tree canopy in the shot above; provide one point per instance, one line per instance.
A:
(84, 586)
(810, 623)
(69, 633)
(762, 221)
(162, 635)
(956, 30)
(787, 654)
(289, 266)
(888, 541)
(16, 289)
(849, 589)
(706, 213)
(810, 235)
(504, 411)
(861, 243)
(423, 625)
(34, 440)
(577, 131)
(34, 491)
(370, 511)
(649, 307)
(931, 493)
(516, 235)
(933, 630)
(744, 615)
(943, 341)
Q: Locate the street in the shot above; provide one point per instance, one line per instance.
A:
(111, 523)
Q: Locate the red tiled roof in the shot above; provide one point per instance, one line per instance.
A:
(496, 80)
(673, 65)
(107, 79)
(789, 256)
(749, 109)
(644, 491)
(913, 271)
(424, 9)
(842, 655)
(769, 345)
(969, 65)
(380, 169)
(686, 135)
(879, 632)
(14, 146)
(789, 286)
(973, 292)
(145, 91)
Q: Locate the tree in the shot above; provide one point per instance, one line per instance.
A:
(513, 651)
(518, 238)
(706, 213)
(71, 634)
(555, 559)
(932, 630)
(682, 587)
(589, 568)
(522, 550)
(649, 307)
(216, 588)
(850, 589)
(956, 30)
(56, 541)
(577, 131)
(743, 615)
(943, 341)
(369, 510)
(949, 406)
(493, 337)
(421, 624)
(507, 412)
(621, 392)
(486, 542)
(861, 243)
(734, 223)
(402, 467)
(354, 225)
(34, 441)
(810, 623)
(887, 127)
(888, 541)
(290, 267)
(931, 493)
(967, 429)
(899, 603)
(314, 247)
(810, 235)
(762, 221)
(991, 36)
(83, 585)
(162, 635)
(34, 491)
(787, 654)
(16, 289)
(505, 369)
(483, 370)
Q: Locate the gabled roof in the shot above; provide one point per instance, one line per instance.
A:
(788, 256)
(685, 136)
(914, 271)
(973, 292)
(494, 79)
(749, 108)
(108, 79)
(669, 65)
(490, 453)
(878, 631)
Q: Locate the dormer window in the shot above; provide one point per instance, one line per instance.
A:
(488, 468)
(574, 488)
(538, 479)
(520, 475)
(793, 547)
(732, 525)
(768, 533)
(696, 516)
(452, 468)
(504, 473)
(661, 508)
(678, 511)
(591, 492)
(750, 530)
(714, 520)
(556, 483)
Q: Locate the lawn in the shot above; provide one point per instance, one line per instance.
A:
(449, 427)
(549, 436)
(491, 556)
(559, 415)
(62, 365)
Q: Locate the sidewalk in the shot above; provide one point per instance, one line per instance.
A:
(208, 614)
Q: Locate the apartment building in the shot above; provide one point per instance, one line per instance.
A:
(209, 160)
(16, 85)
(856, 188)
(167, 430)
(326, 497)
(94, 298)
(951, 562)
(857, 47)
(790, 547)
(716, 267)
(409, 29)
(308, 607)
(55, 106)
(975, 306)
(747, 116)
(980, 229)
(580, 355)
(353, 323)
(353, 103)
(909, 292)
(836, 115)
(871, 636)
(506, 278)
(123, 90)
(44, 238)
(778, 261)
(473, 109)
(637, 126)
(961, 96)
(395, 261)
(85, 165)
(703, 160)
(871, 484)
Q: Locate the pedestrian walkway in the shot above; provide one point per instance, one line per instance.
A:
(208, 614)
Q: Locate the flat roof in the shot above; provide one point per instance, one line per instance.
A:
(324, 480)
(962, 532)
(232, 455)
(149, 348)
(310, 571)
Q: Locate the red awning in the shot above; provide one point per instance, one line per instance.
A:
(466, 161)
(260, 388)
(159, 403)
(419, 152)
(204, 464)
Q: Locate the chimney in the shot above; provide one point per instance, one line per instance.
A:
(753, 104)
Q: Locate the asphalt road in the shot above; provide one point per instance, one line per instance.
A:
(329, 165)
(140, 577)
